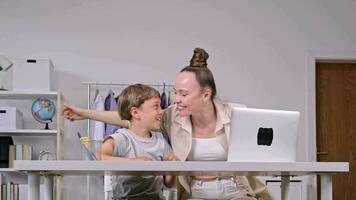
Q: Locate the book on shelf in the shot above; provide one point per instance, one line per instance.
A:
(16, 191)
(19, 152)
(27, 151)
(10, 191)
(12, 154)
(5, 142)
(3, 191)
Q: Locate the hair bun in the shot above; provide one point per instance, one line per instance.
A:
(199, 59)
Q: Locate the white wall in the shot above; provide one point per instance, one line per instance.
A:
(258, 49)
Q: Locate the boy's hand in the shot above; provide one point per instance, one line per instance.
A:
(142, 158)
(171, 157)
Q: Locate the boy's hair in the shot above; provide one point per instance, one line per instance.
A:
(134, 96)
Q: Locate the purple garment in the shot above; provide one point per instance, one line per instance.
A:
(110, 105)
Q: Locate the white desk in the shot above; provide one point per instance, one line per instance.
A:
(99, 168)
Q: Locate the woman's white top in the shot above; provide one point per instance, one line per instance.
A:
(207, 149)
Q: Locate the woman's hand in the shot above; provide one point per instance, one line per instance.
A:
(170, 180)
(171, 157)
(142, 158)
(72, 113)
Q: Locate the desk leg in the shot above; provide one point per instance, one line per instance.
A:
(33, 186)
(48, 183)
(88, 187)
(285, 187)
(326, 186)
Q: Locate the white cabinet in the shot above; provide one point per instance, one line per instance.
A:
(297, 188)
(33, 132)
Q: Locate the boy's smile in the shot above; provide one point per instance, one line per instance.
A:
(150, 113)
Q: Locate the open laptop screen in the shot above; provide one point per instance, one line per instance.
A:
(261, 135)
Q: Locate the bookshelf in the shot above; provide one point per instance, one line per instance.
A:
(33, 132)
(7, 170)
(13, 95)
(31, 96)
(28, 132)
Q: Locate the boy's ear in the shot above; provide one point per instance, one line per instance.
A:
(134, 113)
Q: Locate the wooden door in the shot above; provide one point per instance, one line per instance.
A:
(336, 122)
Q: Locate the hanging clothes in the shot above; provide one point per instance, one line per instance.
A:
(169, 98)
(164, 101)
(164, 105)
(99, 127)
(110, 105)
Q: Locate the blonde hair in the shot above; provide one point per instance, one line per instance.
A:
(134, 96)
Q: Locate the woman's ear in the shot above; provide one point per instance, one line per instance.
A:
(134, 113)
(206, 94)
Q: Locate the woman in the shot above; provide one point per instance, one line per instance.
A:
(198, 126)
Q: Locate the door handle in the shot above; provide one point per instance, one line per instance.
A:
(322, 153)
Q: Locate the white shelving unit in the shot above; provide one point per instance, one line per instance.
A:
(35, 132)
(28, 132)
(7, 170)
(27, 95)
(58, 132)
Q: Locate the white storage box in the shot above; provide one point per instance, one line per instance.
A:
(10, 118)
(33, 75)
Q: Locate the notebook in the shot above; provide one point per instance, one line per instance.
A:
(261, 135)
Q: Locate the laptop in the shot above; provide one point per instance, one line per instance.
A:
(261, 135)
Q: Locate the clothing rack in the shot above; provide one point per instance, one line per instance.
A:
(90, 85)
(124, 84)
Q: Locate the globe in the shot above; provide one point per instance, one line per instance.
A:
(43, 110)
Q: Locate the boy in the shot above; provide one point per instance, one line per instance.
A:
(140, 104)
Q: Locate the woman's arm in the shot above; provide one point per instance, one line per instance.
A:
(74, 113)
(259, 188)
